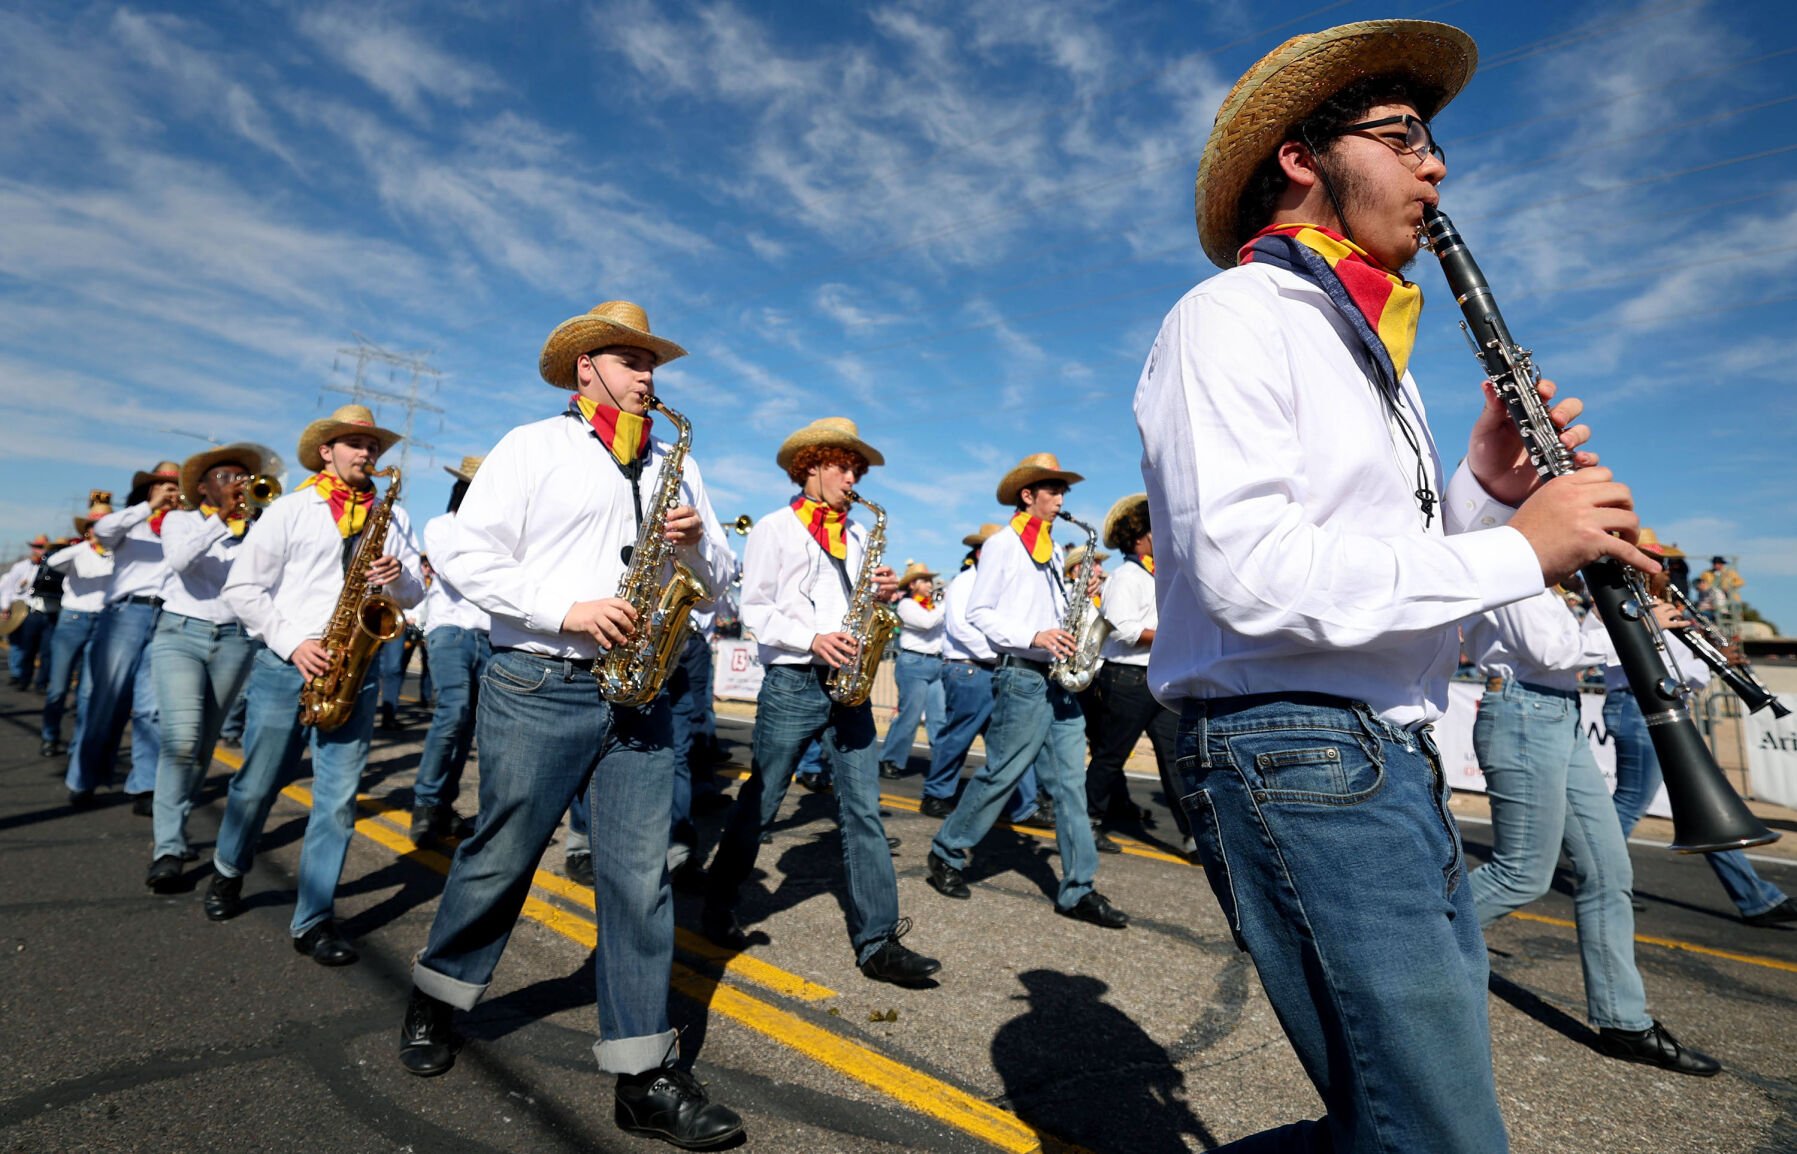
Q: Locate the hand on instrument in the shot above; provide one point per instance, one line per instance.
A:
(837, 649)
(683, 525)
(1096, 583)
(1058, 642)
(1670, 616)
(608, 620)
(886, 583)
(311, 658)
(384, 571)
(1495, 452)
(1573, 520)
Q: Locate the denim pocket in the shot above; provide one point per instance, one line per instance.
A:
(1203, 815)
(503, 677)
(1309, 766)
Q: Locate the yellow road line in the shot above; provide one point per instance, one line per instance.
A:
(1675, 944)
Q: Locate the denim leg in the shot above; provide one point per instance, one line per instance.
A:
(1126, 707)
(199, 668)
(146, 717)
(114, 654)
(389, 670)
(338, 758)
(234, 716)
(454, 653)
(67, 648)
(866, 858)
(29, 645)
(42, 656)
(272, 740)
(933, 704)
(1021, 719)
(1062, 770)
(1327, 841)
(967, 706)
(812, 764)
(913, 672)
(1025, 798)
(1603, 878)
(1523, 745)
(686, 716)
(1163, 735)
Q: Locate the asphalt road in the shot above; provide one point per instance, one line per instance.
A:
(132, 1023)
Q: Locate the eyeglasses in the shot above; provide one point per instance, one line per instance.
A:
(1418, 140)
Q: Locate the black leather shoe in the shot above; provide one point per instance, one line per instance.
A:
(389, 719)
(1103, 842)
(1041, 819)
(937, 806)
(815, 782)
(892, 843)
(1098, 910)
(165, 874)
(81, 798)
(326, 946)
(144, 805)
(426, 1046)
(48, 749)
(1655, 1046)
(1783, 913)
(721, 928)
(670, 1104)
(579, 868)
(946, 880)
(890, 771)
(894, 963)
(689, 876)
(452, 824)
(424, 825)
(224, 898)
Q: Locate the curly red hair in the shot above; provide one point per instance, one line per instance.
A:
(812, 456)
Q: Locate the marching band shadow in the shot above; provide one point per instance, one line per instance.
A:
(1118, 1090)
(1528, 1002)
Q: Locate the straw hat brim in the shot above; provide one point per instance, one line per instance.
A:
(1024, 476)
(1114, 519)
(1293, 81)
(458, 474)
(808, 436)
(327, 429)
(583, 334)
(141, 478)
(196, 466)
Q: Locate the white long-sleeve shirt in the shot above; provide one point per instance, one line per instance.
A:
(443, 603)
(791, 590)
(960, 640)
(16, 585)
(543, 526)
(923, 627)
(199, 550)
(1129, 606)
(1538, 640)
(138, 567)
(288, 572)
(86, 575)
(1013, 598)
(1291, 554)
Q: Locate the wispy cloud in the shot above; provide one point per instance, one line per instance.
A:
(395, 59)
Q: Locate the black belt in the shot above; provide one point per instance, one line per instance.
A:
(1023, 663)
(1495, 684)
(143, 599)
(970, 661)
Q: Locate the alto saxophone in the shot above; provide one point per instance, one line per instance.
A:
(632, 674)
(869, 621)
(364, 619)
(1083, 620)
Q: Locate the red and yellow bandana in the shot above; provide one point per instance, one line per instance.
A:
(156, 520)
(236, 525)
(625, 434)
(349, 507)
(827, 527)
(1034, 532)
(1389, 304)
(925, 602)
(1146, 561)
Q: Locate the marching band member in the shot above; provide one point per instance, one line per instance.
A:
(118, 657)
(86, 567)
(200, 652)
(284, 586)
(39, 588)
(458, 644)
(541, 543)
(1309, 595)
(799, 570)
(918, 669)
(1019, 600)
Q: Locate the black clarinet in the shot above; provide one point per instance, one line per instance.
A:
(1707, 814)
(1710, 647)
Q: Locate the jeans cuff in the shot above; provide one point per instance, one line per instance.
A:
(224, 869)
(635, 1055)
(462, 995)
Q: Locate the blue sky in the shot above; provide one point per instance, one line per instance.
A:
(957, 223)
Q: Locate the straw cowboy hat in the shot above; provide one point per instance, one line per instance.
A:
(914, 570)
(1291, 82)
(1078, 553)
(839, 432)
(975, 539)
(1113, 520)
(467, 470)
(345, 421)
(247, 456)
(41, 541)
(95, 511)
(1033, 469)
(164, 471)
(612, 323)
(1650, 543)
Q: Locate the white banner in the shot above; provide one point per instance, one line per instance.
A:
(1454, 734)
(736, 670)
(1772, 754)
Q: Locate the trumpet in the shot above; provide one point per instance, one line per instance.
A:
(262, 490)
(743, 524)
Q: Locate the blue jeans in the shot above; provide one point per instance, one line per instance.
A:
(273, 739)
(1031, 716)
(200, 667)
(545, 735)
(792, 710)
(458, 658)
(1327, 841)
(1638, 779)
(390, 669)
(28, 643)
(967, 707)
(235, 717)
(1546, 793)
(920, 695)
(689, 697)
(118, 664)
(68, 653)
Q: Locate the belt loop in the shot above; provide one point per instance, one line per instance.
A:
(1201, 711)
(567, 670)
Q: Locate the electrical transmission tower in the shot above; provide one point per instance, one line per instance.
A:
(366, 353)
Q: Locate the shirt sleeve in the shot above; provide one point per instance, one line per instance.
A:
(916, 617)
(63, 560)
(409, 589)
(113, 528)
(1231, 465)
(1129, 604)
(186, 537)
(773, 620)
(255, 572)
(1001, 564)
(1545, 630)
(482, 561)
(716, 562)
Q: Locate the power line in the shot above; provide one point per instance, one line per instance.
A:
(366, 353)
